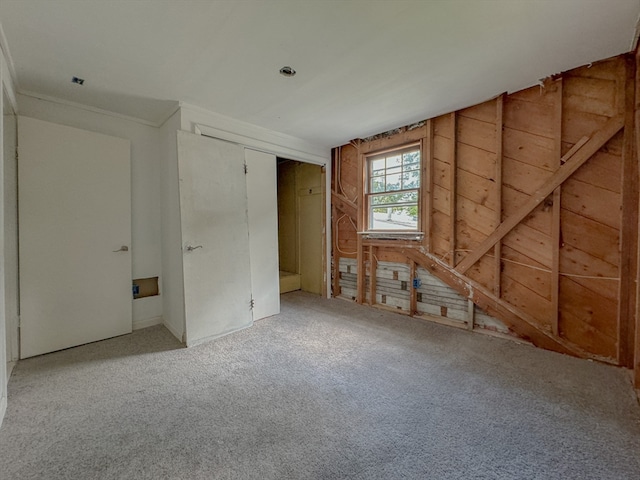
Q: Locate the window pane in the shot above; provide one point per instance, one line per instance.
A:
(394, 161)
(394, 198)
(377, 167)
(377, 184)
(394, 218)
(412, 166)
(393, 182)
(410, 180)
(411, 157)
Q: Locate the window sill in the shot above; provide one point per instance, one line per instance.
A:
(417, 236)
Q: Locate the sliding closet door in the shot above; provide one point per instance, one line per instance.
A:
(262, 186)
(75, 236)
(215, 237)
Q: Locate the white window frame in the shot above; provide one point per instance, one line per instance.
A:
(369, 195)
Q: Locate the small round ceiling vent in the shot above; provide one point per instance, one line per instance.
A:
(287, 71)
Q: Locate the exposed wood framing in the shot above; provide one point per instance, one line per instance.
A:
(497, 249)
(471, 314)
(453, 190)
(573, 160)
(557, 206)
(413, 297)
(360, 286)
(323, 177)
(373, 281)
(636, 369)
(628, 245)
(344, 205)
(523, 192)
(519, 321)
(427, 182)
(334, 241)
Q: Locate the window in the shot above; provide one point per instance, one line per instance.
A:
(393, 184)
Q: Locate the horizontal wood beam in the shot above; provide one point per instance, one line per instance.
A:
(520, 322)
(344, 205)
(573, 160)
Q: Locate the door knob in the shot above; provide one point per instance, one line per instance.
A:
(123, 248)
(191, 249)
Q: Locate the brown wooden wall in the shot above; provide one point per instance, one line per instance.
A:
(529, 208)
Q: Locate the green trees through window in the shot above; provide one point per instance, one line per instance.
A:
(393, 183)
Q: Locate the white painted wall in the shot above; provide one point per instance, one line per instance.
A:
(172, 279)
(3, 332)
(198, 120)
(8, 86)
(145, 187)
(9, 130)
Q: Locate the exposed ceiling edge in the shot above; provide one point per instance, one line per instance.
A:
(168, 114)
(636, 36)
(89, 108)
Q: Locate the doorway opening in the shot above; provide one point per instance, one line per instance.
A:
(300, 230)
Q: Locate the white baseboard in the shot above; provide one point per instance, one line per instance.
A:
(213, 337)
(147, 322)
(3, 408)
(173, 330)
(10, 366)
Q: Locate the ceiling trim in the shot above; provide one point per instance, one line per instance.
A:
(89, 108)
(4, 45)
(215, 125)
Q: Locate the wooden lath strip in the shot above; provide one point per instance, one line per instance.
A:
(628, 222)
(520, 322)
(573, 160)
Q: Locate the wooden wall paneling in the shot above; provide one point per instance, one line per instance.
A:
(539, 219)
(497, 250)
(605, 171)
(578, 156)
(586, 319)
(557, 205)
(452, 189)
(528, 148)
(629, 231)
(592, 202)
(534, 117)
(526, 299)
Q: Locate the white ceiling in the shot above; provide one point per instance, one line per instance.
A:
(364, 66)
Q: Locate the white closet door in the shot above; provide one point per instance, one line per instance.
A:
(262, 184)
(215, 236)
(75, 236)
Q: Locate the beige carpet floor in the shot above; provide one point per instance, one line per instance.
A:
(325, 390)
